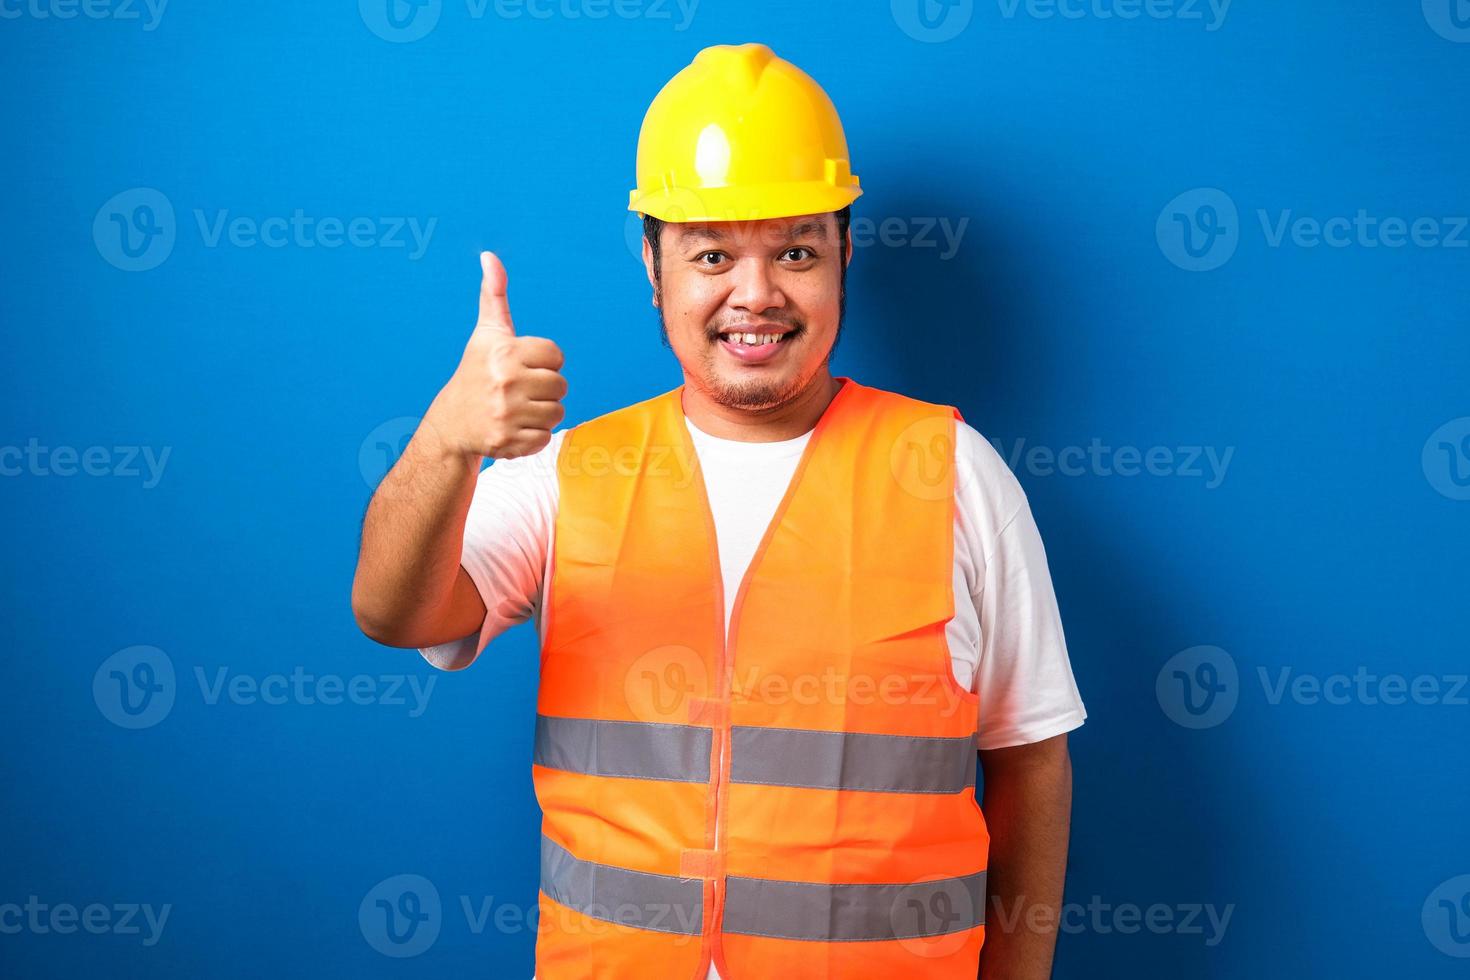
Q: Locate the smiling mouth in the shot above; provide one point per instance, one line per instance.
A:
(759, 337)
(753, 339)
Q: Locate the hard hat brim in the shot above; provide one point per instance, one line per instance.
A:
(746, 203)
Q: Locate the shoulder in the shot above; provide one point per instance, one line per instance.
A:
(984, 485)
(988, 496)
(982, 478)
(886, 401)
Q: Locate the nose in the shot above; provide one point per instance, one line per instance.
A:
(754, 288)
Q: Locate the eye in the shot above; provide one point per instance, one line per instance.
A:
(801, 252)
(715, 256)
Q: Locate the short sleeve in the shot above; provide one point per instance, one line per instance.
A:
(1025, 682)
(1023, 675)
(506, 547)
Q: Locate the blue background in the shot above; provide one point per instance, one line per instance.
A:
(1335, 541)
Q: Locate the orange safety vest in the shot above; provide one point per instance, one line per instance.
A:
(797, 801)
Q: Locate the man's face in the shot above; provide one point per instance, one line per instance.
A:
(779, 279)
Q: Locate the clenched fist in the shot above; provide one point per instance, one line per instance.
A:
(505, 397)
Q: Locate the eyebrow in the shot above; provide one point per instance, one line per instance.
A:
(705, 233)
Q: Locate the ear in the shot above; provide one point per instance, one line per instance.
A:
(848, 259)
(648, 268)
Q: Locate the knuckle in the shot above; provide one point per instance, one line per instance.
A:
(500, 403)
(501, 376)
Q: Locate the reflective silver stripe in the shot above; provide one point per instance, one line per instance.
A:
(852, 760)
(853, 913)
(662, 903)
(640, 750)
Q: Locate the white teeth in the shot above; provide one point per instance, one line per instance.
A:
(755, 339)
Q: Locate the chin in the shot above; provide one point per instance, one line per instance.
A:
(754, 391)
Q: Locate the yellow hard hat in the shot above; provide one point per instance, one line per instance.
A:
(741, 135)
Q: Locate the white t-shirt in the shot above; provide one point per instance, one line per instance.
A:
(1006, 642)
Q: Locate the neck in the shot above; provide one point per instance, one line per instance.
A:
(787, 420)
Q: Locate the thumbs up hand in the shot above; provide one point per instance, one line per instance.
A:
(505, 397)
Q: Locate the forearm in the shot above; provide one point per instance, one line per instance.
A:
(1027, 804)
(412, 538)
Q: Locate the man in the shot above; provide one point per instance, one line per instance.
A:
(779, 611)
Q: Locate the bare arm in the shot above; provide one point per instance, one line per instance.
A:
(503, 401)
(410, 589)
(1028, 807)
